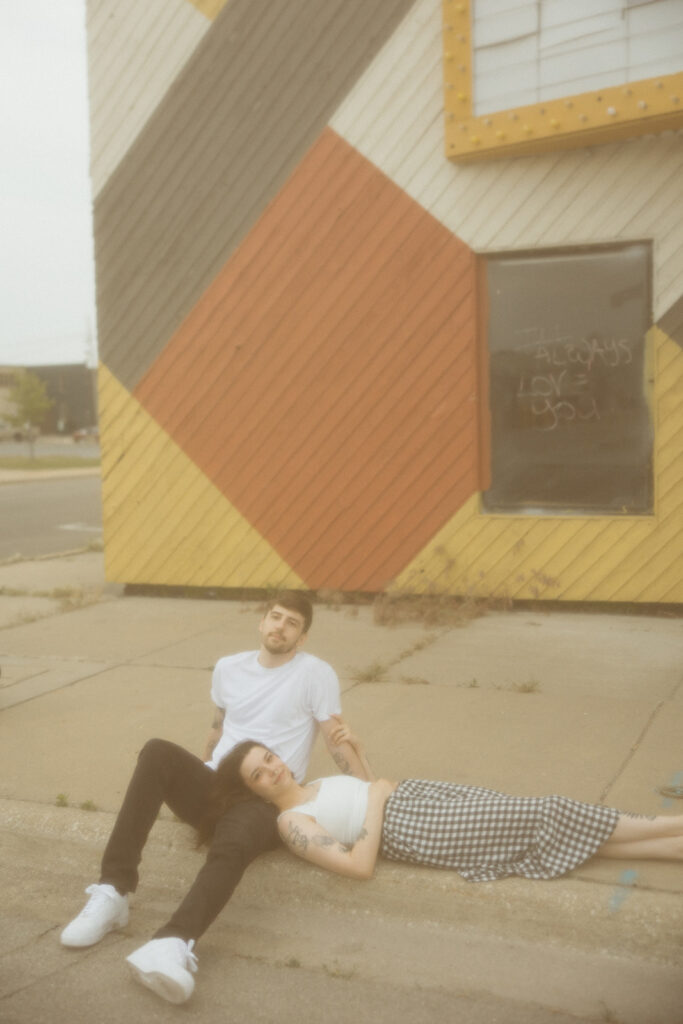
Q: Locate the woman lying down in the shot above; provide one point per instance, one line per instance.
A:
(343, 824)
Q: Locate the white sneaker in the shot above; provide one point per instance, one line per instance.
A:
(105, 910)
(166, 966)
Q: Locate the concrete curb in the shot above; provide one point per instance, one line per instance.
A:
(587, 915)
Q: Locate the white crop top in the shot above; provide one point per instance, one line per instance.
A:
(340, 806)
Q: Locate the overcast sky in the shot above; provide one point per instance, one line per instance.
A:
(46, 264)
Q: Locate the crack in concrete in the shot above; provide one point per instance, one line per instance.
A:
(641, 736)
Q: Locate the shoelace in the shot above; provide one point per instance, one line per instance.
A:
(191, 962)
(97, 898)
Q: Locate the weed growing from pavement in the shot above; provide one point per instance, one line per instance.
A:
(62, 800)
(88, 805)
(339, 600)
(374, 673)
(377, 671)
(530, 686)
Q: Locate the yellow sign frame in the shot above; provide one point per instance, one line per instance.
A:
(590, 118)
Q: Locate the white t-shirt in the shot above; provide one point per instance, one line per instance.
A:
(280, 707)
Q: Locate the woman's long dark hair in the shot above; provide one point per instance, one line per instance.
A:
(227, 789)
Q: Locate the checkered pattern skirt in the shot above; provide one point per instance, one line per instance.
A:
(485, 835)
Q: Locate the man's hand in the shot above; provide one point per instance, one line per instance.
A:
(346, 749)
(341, 733)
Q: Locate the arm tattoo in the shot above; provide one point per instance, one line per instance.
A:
(296, 839)
(217, 722)
(331, 841)
(341, 763)
(362, 834)
(322, 840)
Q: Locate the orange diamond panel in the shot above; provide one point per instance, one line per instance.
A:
(326, 380)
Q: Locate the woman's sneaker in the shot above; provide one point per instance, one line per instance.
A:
(105, 910)
(166, 967)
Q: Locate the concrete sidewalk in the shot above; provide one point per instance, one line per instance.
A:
(23, 476)
(530, 702)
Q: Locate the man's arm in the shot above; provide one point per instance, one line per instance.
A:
(344, 754)
(215, 732)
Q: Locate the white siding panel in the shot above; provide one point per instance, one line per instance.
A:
(135, 52)
(624, 191)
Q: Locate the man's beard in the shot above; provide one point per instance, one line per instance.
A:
(277, 645)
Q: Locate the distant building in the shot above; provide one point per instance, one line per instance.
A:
(72, 390)
(390, 295)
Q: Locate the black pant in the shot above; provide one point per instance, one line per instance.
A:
(165, 773)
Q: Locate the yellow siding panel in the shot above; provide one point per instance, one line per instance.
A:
(209, 8)
(574, 558)
(145, 477)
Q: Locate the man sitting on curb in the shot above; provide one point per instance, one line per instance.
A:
(277, 695)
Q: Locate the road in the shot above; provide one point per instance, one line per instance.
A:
(43, 517)
(49, 445)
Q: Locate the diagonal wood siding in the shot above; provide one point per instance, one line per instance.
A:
(253, 97)
(135, 50)
(576, 558)
(337, 374)
(282, 223)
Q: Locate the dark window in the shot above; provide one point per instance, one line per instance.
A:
(571, 426)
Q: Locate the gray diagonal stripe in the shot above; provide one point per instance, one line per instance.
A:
(252, 99)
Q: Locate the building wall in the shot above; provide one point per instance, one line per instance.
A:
(291, 345)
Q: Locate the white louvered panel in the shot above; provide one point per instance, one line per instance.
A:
(559, 12)
(493, 25)
(135, 52)
(532, 52)
(660, 16)
(577, 70)
(563, 36)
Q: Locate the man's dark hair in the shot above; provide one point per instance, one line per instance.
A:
(294, 601)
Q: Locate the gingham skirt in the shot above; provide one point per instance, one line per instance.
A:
(485, 835)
